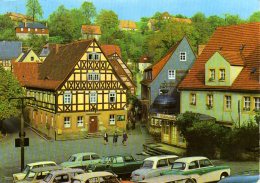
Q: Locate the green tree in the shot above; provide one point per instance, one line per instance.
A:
(7, 28)
(78, 19)
(233, 19)
(142, 25)
(61, 24)
(35, 42)
(9, 87)
(34, 9)
(255, 17)
(89, 11)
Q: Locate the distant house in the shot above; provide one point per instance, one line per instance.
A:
(18, 17)
(127, 25)
(25, 29)
(144, 62)
(90, 31)
(9, 50)
(29, 56)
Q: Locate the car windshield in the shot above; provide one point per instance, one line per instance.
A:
(26, 169)
(178, 166)
(47, 178)
(106, 160)
(72, 159)
(147, 164)
(30, 175)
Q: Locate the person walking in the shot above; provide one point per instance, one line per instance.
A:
(105, 138)
(124, 138)
(115, 137)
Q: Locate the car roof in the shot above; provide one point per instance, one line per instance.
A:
(190, 159)
(41, 163)
(47, 168)
(165, 178)
(156, 158)
(67, 170)
(86, 176)
(83, 154)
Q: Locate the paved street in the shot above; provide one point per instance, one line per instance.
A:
(60, 151)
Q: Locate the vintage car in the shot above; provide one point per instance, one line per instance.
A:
(95, 177)
(153, 166)
(252, 176)
(121, 165)
(199, 168)
(29, 167)
(169, 179)
(64, 175)
(81, 160)
(38, 174)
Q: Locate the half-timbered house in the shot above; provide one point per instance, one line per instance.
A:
(77, 90)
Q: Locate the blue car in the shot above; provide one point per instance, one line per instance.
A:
(252, 176)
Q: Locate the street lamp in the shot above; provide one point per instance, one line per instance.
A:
(22, 134)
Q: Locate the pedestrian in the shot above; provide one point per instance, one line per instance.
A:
(124, 138)
(105, 138)
(115, 137)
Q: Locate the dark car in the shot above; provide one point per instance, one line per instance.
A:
(121, 165)
(251, 176)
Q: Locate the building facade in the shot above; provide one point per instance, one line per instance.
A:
(29, 56)
(90, 32)
(127, 25)
(25, 29)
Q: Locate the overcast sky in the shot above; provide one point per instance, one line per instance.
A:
(135, 9)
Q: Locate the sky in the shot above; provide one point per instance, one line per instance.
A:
(135, 9)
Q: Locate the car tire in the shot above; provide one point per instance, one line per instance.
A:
(223, 175)
(190, 181)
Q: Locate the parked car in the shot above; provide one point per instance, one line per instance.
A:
(29, 167)
(64, 176)
(153, 166)
(199, 168)
(81, 160)
(252, 176)
(121, 165)
(95, 177)
(38, 174)
(169, 179)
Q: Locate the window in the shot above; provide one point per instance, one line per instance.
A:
(112, 120)
(119, 159)
(80, 121)
(36, 30)
(171, 74)
(212, 74)
(129, 159)
(93, 77)
(257, 103)
(222, 74)
(247, 103)
(166, 128)
(228, 102)
(32, 58)
(194, 165)
(95, 156)
(162, 163)
(193, 99)
(182, 56)
(86, 158)
(120, 117)
(29, 29)
(205, 163)
(21, 29)
(93, 97)
(67, 97)
(209, 101)
(62, 178)
(112, 97)
(67, 122)
(94, 56)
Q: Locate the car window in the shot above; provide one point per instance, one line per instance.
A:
(178, 166)
(162, 163)
(95, 156)
(27, 169)
(40, 176)
(171, 160)
(148, 164)
(48, 177)
(205, 163)
(129, 159)
(61, 178)
(193, 165)
(119, 160)
(49, 164)
(37, 166)
(86, 158)
(76, 181)
(72, 159)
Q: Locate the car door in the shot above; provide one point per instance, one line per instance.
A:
(130, 164)
(194, 170)
(95, 159)
(118, 165)
(86, 160)
(162, 165)
(208, 172)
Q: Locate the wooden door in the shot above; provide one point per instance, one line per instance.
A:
(93, 124)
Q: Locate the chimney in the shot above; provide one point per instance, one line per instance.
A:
(201, 48)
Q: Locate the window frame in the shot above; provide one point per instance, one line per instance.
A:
(93, 76)
(171, 74)
(67, 122)
(109, 96)
(226, 104)
(220, 74)
(246, 104)
(67, 98)
(183, 58)
(210, 74)
(256, 103)
(210, 100)
(92, 96)
(193, 99)
(95, 56)
(80, 122)
(112, 121)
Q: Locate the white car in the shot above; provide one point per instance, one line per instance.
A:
(199, 168)
(95, 177)
(29, 167)
(153, 166)
(169, 179)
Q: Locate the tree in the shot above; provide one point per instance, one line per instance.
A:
(35, 42)
(34, 9)
(61, 24)
(255, 17)
(9, 87)
(7, 28)
(78, 19)
(233, 19)
(89, 11)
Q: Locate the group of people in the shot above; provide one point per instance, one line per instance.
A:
(115, 138)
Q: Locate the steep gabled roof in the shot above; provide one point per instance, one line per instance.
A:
(230, 39)
(91, 29)
(111, 49)
(233, 57)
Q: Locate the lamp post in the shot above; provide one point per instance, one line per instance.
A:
(22, 134)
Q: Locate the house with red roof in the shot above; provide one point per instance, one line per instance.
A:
(127, 25)
(25, 29)
(224, 81)
(90, 31)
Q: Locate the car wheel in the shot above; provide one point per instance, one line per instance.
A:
(190, 181)
(223, 175)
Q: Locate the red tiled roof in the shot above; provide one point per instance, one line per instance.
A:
(127, 24)
(91, 29)
(233, 57)
(230, 39)
(111, 49)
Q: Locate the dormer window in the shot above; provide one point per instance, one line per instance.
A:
(32, 58)
(211, 74)
(94, 56)
(171, 74)
(182, 56)
(222, 74)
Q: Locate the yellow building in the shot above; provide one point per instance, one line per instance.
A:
(77, 92)
(29, 57)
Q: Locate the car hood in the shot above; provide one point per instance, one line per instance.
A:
(241, 179)
(19, 176)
